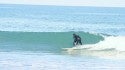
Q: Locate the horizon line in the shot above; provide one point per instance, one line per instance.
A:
(62, 5)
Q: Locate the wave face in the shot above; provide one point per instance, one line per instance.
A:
(42, 41)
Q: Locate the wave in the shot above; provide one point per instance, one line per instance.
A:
(109, 43)
(43, 41)
(111, 47)
(105, 46)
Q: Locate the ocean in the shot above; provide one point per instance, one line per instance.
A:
(34, 37)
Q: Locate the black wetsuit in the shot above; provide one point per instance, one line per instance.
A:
(77, 40)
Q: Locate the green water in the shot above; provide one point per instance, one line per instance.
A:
(43, 41)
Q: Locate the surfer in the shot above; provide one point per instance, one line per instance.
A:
(77, 39)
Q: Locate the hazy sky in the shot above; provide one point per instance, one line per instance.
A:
(107, 3)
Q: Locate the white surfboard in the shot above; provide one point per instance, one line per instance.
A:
(78, 47)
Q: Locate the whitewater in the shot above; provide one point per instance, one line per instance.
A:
(34, 37)
(110, 48)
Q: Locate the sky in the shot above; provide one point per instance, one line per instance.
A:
(104, 3)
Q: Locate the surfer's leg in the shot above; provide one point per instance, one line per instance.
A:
(80, 42)
(74, 43)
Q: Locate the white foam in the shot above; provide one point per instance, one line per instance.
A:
(110, 48)
(110, 43)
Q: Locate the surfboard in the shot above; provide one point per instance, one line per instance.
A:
(77, 48)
